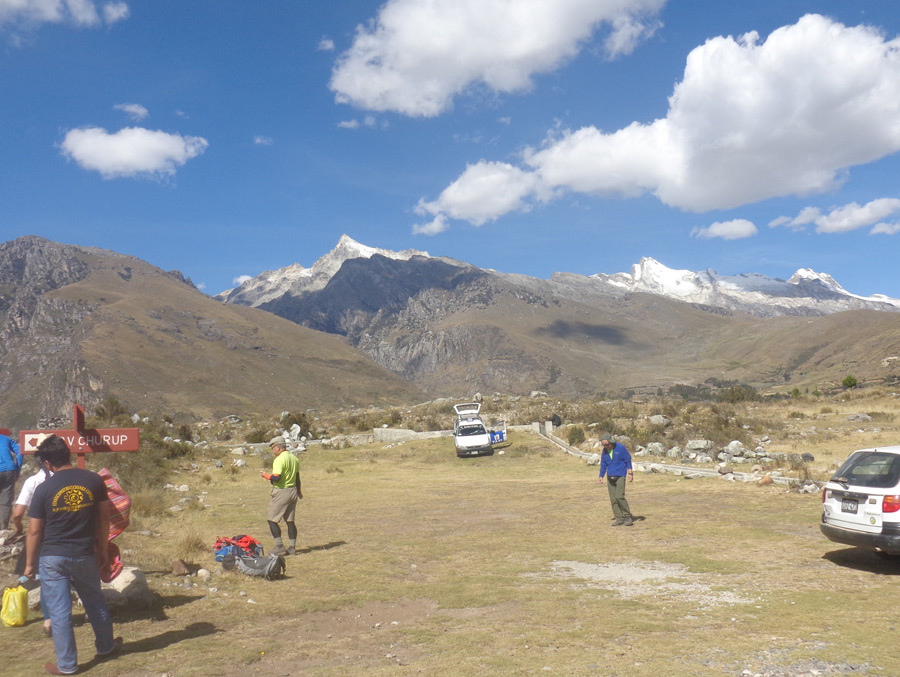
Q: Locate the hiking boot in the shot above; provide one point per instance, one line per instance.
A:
(627, 522)
(617, 522)
(279, 550)
(292, 550)
(117, 646)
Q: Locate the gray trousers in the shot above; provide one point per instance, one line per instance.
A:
(7, 495)
(616, 486)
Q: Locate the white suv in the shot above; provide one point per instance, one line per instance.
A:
(861, 503)
(469, 432)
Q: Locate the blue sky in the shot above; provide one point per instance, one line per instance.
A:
(224, 138)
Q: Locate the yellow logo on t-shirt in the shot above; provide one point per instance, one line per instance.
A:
(72, 499)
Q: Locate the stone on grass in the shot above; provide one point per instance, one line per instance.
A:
(114, 598)
(34, 599)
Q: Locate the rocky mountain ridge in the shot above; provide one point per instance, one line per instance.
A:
(295, 279)
(78, 324)
(805, 293)
(447, 325)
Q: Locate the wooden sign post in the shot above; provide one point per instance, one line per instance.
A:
(81, 440)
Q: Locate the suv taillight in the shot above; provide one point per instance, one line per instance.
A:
(890, 504)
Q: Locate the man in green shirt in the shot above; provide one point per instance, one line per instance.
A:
(285, 479)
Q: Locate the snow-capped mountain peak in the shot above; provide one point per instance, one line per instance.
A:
(809, 274)
(805, 293)
(347, 248)
(296, 279)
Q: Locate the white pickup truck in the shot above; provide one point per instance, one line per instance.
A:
(470, 434)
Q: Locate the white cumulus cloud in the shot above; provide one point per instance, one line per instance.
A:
(135, 111)
(853, 216)
(240, 279)
(736, 229)
(78, 12)
(750, 120)
(885, 229)
(437, 225)
(130, 152)
(484, 191)
(417, 55)
(845, 218)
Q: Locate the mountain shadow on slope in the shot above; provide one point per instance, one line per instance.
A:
(560, 329)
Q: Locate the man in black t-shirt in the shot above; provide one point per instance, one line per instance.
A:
(69, 523)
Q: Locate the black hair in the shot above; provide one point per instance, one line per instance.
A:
(54, 451)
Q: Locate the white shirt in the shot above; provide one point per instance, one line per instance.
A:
(27, 492)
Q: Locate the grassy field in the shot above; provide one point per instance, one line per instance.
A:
(415, 562)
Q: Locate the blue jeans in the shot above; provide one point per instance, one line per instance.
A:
(84, 574)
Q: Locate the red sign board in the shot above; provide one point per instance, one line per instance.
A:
(84, 441)
(81, 440)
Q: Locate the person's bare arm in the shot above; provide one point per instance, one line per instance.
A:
(17, 514)
(32, 545)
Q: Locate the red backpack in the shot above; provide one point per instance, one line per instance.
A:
(243, 545)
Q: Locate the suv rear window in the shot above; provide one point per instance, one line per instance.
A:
(870, 469)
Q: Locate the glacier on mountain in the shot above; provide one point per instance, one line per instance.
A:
(295, 279)
(805, 293)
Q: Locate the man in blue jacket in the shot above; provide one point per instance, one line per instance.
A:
(615, 463)
(10, 466)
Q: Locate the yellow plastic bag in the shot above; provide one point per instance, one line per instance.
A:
(15, 607)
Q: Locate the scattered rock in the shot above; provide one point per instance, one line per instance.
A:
(699, 445)
(114, 598)
(132, 583)
(34, 599)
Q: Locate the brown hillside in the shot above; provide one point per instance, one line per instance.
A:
(128, 329)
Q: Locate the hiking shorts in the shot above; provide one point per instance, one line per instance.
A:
(283, 504)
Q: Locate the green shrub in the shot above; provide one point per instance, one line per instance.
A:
(111, 409)
(185, 433)
(575, 435)
(256, 436)
(301, 420)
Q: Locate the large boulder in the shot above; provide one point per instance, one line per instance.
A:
(699, 446)
(132, 583)
(656, 448)
(735, 448)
